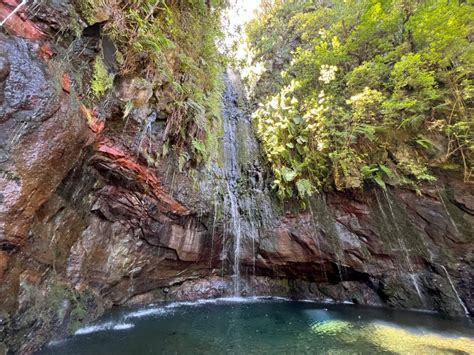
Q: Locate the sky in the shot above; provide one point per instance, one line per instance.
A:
(240, 11)
(243, 10)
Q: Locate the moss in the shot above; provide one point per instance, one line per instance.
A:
(102, 80)
(77, 317)
(57, 306)
(93, 11)
(242, 146)
(213, 142)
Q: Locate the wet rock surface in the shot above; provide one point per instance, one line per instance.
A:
(398, 244)
(90, 218)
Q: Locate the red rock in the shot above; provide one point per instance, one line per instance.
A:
(45, 51)
(143, 175)
(43, 153)
(66, 82)
(16, 24)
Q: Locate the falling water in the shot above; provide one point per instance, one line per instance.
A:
(455, 291)
(325, 218)
(231, 115)
(247, 204)
(402, 245)
(213, 233)
(447, 211)
(318, 244)
(254, 234)
(146, 129)
(223, 255)
(414, 280)
(235, 220)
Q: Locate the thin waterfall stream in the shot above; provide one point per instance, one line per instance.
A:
(231, 114)
(461, 303)
(401, 244)
(236, 177)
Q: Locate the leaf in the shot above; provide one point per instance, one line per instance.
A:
(378, 179)
(367, 171)
(298, 120)
(301, 140)
(182, 159)
(305, 188)
(425, 142)
(288, 174)
(366, 130)
(199, 146)
(386, 170)
(166, 149)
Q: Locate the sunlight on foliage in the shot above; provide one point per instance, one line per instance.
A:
(371, 91)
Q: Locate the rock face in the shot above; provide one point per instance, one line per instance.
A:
(397, 243)
(90, 219)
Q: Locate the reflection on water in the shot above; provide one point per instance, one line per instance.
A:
(256, 326)
(394, 339)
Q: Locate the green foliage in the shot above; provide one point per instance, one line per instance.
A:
(92, 9)
(305, 188)
(101, 80)
(182, 159)
(349, 88)
(200, 150)
(56, 303)
(172, 45)
(414, 91)
(377, 173)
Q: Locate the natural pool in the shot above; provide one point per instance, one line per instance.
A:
(268, 326)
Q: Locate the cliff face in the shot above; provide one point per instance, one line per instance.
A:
(89, 220)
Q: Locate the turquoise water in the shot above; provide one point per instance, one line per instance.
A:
(264, 326)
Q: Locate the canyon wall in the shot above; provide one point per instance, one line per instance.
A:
(90, 219)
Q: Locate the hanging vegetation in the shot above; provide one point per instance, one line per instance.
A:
(172, 45)
(359, 91)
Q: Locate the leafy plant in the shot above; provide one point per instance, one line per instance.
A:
(358, 86)
(377, 173)
(171, 45)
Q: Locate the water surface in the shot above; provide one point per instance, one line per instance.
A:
(263, 326)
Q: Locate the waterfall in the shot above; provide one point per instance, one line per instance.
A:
(447, 211)
(315, 235)
(236, 231)
(325, 217)
(213, 233)
(146, 129)
(247, 202)
(414, 280)
(231, 115)
(401, 243)
(455, 291)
